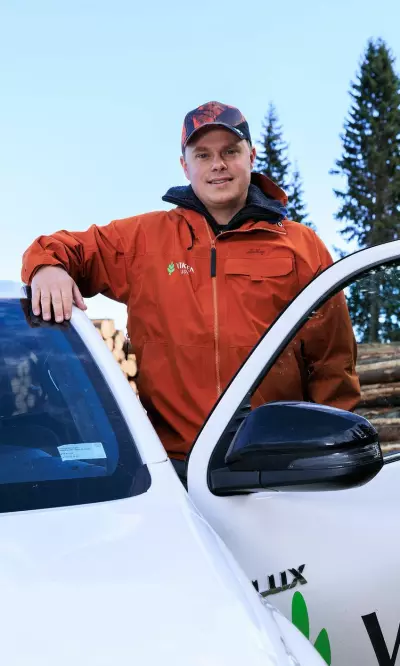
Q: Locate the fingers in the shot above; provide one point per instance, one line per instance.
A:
(79, 302)
(66, 295)
(61, 300)
(45, 298)
(45, 302)
(53, 289)
(36, 301)
(57, 301)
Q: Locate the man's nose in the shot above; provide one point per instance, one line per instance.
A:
(218, 163)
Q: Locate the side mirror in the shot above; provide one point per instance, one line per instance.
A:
(304, 446)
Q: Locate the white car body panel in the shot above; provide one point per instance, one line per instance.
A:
(143, 580)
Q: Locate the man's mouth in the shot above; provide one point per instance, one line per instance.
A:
(219, 181)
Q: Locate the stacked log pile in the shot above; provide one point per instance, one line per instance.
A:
(118, 344)
(378, 367)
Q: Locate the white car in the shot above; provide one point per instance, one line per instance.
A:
(106, 558)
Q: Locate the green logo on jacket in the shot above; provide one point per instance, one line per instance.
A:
(171, 268)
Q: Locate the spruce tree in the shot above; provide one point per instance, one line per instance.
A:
(370, 164)
(374, 305)
(370, 208)
(273, 159)
(296, 206)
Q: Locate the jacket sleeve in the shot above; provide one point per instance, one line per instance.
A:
(329, 349)
(96, 259)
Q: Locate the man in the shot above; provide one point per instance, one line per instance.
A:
(202, 282)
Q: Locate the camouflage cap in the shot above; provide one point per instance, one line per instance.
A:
(214, 113)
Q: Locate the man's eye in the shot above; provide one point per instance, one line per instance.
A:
(231, 151)
(201, 155)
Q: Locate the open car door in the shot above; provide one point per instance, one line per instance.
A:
(302, 494)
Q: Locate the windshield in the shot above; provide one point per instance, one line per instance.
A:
(63, 439)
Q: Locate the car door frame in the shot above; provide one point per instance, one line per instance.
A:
(333, 279)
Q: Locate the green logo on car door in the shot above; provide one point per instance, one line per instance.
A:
(301, 620)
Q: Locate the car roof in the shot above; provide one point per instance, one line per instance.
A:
(10, 289)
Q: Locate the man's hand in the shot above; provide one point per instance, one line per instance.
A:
(52, 285)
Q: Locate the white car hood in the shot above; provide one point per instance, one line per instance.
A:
(140, 581)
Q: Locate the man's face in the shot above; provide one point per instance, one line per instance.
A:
(218, 165)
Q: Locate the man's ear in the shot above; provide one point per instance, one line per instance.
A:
(184, 167)
(253, 154)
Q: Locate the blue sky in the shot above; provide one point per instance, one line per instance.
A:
(93, 95)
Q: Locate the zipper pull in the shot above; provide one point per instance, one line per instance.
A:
(213, 261)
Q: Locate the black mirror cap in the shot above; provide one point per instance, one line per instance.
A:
(303, 445)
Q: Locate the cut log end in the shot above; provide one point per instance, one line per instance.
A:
(120, 348)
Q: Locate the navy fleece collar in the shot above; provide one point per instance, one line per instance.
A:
(258, 207)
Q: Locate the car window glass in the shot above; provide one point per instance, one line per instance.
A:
(63, 439)
(374, 305)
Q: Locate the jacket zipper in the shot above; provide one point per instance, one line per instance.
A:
(213, 272)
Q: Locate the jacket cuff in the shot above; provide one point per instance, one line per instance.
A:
(49, 261)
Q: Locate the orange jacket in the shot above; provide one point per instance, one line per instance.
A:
(197, 304)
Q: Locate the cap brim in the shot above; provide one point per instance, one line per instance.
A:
(216, 124)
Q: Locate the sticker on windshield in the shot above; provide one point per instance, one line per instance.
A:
(82, 451)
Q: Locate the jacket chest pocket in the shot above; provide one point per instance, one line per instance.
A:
(257, 290)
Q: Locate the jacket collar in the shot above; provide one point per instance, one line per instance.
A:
(265, 201)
